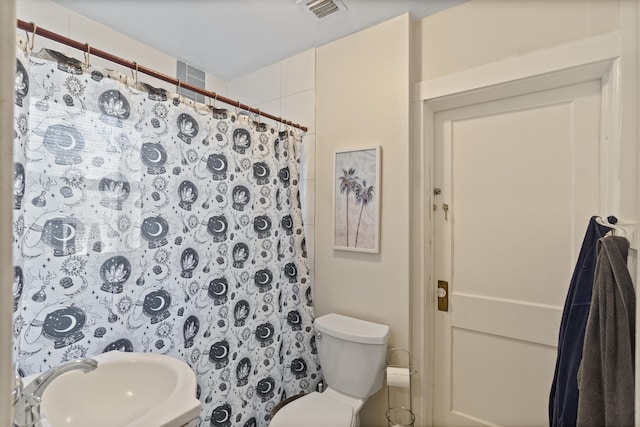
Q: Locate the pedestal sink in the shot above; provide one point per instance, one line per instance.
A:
(125, 390)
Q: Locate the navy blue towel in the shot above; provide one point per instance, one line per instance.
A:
(563, 400)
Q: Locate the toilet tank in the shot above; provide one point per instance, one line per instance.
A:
(352, 353)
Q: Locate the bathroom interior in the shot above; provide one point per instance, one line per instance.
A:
(478, 198)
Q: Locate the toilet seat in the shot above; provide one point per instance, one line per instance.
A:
(314, 410)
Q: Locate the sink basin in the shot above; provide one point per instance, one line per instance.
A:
(125, 390)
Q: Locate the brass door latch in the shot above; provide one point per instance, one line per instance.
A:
(443, 295)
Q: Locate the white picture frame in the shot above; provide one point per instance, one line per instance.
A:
(356, 200)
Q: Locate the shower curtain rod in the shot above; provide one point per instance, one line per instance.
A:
(85, 47)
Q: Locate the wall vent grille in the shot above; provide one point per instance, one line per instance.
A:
(322, 9)
(190, 75)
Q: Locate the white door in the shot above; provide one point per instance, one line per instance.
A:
(521, 178)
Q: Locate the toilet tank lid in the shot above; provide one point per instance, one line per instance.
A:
(350, 329)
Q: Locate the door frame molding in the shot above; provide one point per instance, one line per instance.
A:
(597, 58)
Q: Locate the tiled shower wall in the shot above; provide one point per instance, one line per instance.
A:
(288, 89)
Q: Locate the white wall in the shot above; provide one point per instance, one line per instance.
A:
(484, 31)
(363, 100)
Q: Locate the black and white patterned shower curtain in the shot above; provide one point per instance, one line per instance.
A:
(145, 222)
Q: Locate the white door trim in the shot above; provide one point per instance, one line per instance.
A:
(596, 58)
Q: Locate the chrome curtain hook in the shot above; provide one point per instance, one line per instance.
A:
(33, 35)
(31, 41)
(134, 72)
(255, 118)
(87, 56)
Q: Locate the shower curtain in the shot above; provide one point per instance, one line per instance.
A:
(145, 222)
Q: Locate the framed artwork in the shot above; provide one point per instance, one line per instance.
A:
(356, 201)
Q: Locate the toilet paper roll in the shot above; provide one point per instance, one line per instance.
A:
(398, 377)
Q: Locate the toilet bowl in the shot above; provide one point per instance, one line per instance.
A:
(317, 410)
(352, 354)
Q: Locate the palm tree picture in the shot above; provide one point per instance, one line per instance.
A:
(356, 206)
(348, 182)
(364, 196)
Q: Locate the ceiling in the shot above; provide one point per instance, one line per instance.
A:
(229, 38)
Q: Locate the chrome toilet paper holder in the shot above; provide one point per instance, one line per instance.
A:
(399, 415)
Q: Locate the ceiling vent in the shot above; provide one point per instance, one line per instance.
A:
(322, 9)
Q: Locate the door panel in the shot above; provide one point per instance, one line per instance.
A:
(521, 178)
(497, 365)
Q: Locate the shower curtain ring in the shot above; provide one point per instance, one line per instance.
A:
(30, 42)
(178, 86)
(87, 56)
(253, 117)
(215, 98)
(135, 74)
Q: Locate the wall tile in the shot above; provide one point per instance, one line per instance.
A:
(271, 107)
(257, 87)
(308, 157)
(299, 73)
(217, 85)
(301, 108)
(307, 197)
(105, 38)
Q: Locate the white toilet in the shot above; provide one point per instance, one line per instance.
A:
(352, 355)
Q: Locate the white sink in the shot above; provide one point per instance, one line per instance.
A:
(125, 390)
